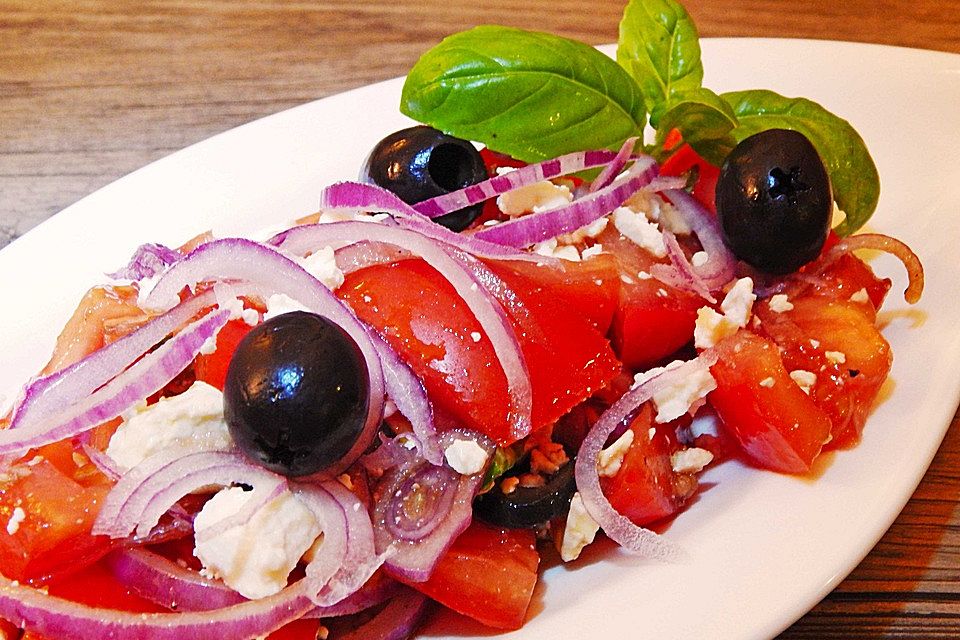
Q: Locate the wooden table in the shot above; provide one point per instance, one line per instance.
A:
(92, 89)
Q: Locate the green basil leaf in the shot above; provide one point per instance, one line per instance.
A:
(704, 119)
(660, 48)
(853, 175)
(531, 95)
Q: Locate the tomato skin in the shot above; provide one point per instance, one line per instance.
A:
(212, 368)
(646, 488)
(648, 326)
(54, 537)
(421, 316)
(685, 159)
(777, 425)
(488, 574)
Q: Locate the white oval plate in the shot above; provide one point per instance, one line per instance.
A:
(763, 548)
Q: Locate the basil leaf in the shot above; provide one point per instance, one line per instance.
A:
(531, 95)
(853, 175)
(704, 119)
(659, 47)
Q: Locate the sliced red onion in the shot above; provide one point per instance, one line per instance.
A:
(880, 242)
(48, 395)
(360, 561)
(377, 590)
(361, 255)
(356, 196)
(498, 185)
(104, 463)
(615, 166)
(489, 313)
(164, 582)
(537, 227)
(397, 621)
(418, 541)
(144, 378)
(53, 617)
(148, 260)
(147, 491)
(721, 264)
(269, 271)
(618, 527)
(680, 274)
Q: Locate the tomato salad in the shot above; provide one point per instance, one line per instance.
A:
(465, 361)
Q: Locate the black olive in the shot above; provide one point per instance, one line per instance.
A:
(774, 201)
(420, 163)
(296, 393)
(528, 506)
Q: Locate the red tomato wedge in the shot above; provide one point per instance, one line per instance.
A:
(212, 368)
(55, 518)
(775, 422)
(685, 161)
(646, 488)
(653, 320)
(488, 574)
(421, 316)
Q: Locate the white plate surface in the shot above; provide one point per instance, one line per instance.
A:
(763, 548)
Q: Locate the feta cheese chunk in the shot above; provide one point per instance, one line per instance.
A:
(322, 265)
(534, 198)
(805, 379)
(465, 456)
(780, 303)
(16, 519)
(835, 357)
(256, 558)
(737, 305)
(279, 304)
(580, 530)
(553, 249)
(611, 458)
(639, 230)
(680, 397)
(691, 460)
(188, 423)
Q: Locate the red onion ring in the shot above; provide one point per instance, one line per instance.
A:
(488, 312)
(377, 590)
(415, 553)
(147, 261)
(498, 185)
(615, 166)
(680, 274)
(268, 270)
(881, 242)
(166, 583)
(397, 621)
(536, 227)
(147, 376)
(48, 395)
(617, 527)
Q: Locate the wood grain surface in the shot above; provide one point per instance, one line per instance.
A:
(93, 89)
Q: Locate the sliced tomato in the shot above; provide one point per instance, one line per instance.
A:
(653, 320)
(212, 368)
(297, 630)
(96, 586)
(488, 574)
(53, 535)
(421, 316)
(774, 421)
(684, 161)
(842, 279)
(646, 488)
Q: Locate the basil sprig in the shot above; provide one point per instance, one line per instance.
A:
(535, 96)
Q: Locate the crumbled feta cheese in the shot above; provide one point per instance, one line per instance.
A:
(805, 379)
(780, 303)
(322, 265)
(552, 249)
(675, 400)
(814, 343)
(691, 460)
(768, 382)
(590, 230)
(256, 558)
(16, 518)
(711, 327)
(610, 459)
(145, 288)
(187, 423)
(639, 230)
(589, 252)
(475, 336)
(643, 275)
(699, 259)
(209, 346)
(835, 357)
(860, 296)
(580, 530)
(534, 198)
(465, 456)
(279, 304)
